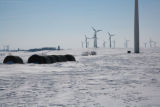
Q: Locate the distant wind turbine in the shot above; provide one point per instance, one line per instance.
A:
(150, 43)
(110, 39)
(95, 37)
(7, 47)
(145, 44)
(86, 40)
(104, 44)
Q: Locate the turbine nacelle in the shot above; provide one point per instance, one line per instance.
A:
(111, 34)
(96, 30)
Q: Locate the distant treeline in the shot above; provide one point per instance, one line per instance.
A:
(41, 49)
(35, 49)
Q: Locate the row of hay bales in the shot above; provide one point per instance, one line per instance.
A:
(38, 59)
(89, 53)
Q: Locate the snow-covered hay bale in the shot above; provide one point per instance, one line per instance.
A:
(70, 57)
(89, 53)
(13, 60)
(36, 59)
(93, 53)
(62, 58)
(85, 54)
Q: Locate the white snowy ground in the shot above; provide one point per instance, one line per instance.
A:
(112, 78)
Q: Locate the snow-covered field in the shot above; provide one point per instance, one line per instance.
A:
(112, 78)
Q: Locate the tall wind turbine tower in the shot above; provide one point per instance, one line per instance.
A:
(104, 44)
(150, 43)
(145, 44)
(110, 39)
(86, 40)
(136, 28)
(95, 37)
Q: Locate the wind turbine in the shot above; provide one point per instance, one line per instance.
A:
(7, 48)
(95, 37)
(104, 44)
(145, 44)
(86, 40)
(110, 39)
(150, 43)
(136, 28)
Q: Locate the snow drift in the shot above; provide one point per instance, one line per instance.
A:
(112, 78)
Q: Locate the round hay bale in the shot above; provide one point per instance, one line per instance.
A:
(13, 60)
(53, 58)
(128, 52)
(36, 59)
(93, 53)
(85, 54)
(70, 57)
(46, 60)
(62, 58)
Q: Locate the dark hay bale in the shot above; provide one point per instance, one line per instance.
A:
(128, 52)
(93, 53)
(46, 60)
(13, 60)
(36, 59)
(62, 58)
(53, 59)
(70, 57)
(56, 58)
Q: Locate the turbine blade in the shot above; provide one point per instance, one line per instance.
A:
(99, 30)
(94, 29)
